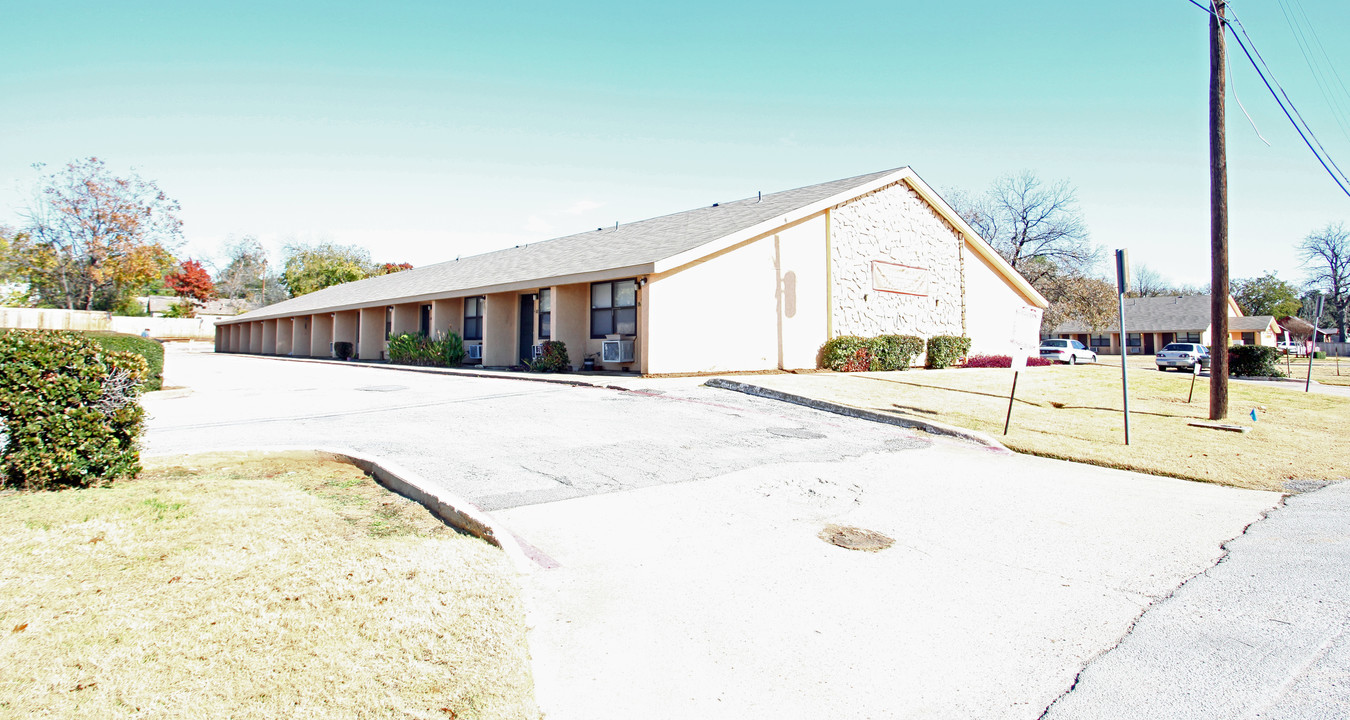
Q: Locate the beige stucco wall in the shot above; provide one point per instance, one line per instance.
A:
(894, 225)
(991, 304)
(300, 334)
(285, 332)
(447, 316)
(371, 345)
(500, 317)
(758, 306)
(406, 318)
(345, 326)
(571, 319)
(321, 335)
(269, 337)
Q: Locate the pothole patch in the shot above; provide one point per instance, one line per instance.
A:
(798, 433)
(383, 388)
(856, 538)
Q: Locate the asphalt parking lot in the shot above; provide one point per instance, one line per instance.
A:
(680, 567)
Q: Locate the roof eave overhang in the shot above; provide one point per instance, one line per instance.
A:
(592, 276)
(905, 175)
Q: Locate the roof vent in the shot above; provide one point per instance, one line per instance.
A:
(761, 196)
(715, 204)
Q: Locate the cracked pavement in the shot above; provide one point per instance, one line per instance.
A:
(681, 573)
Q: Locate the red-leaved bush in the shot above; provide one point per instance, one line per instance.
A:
(861, 361)
(1001, 361)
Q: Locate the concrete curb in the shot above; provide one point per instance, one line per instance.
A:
(453, 510)
(452, 372)
(936, 428)
(173, 394)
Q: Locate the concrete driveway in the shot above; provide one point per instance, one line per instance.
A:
(680, 571)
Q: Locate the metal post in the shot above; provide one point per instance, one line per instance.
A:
(1312, 348)
(1123, 284)
(1008, 421)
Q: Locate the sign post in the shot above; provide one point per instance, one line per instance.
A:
(1026, 330)
(1122, 285)
(1195, 373)
(1312, 347)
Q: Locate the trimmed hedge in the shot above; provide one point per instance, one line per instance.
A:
(851, 353)
(553, 359)
(1002, 361)
(418, 349)
(1254, 361)
(69, 410)
(945, 350)
(151, 350)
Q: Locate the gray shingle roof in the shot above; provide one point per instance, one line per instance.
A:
(1250, 323)
(638, 243)
(1156, 314)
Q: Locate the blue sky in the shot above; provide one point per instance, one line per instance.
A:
(430, 130)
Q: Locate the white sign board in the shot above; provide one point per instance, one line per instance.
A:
(900, 279)
(1026, 333)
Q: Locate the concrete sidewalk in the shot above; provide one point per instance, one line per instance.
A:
(716, 598)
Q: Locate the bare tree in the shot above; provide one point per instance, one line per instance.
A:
(1036, 227)
(1326, 254)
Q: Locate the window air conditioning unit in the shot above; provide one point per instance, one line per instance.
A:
(537, 352)
(616, 351)
(475, 352)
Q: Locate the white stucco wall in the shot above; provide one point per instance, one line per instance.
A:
(759, 306)
(894, 225)
(991, 304)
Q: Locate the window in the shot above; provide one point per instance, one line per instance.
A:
(1132, 342)
(1249, 338)
(388, 321)
(424, 321)
(473, 317)
(1099, 341)
(1190, 337)
(614, 308)
(1078, 346)
(545, 314)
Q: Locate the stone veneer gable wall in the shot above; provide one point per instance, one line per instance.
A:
(894, 225)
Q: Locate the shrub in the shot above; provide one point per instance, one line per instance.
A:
(553, 359)
(842, 351)
(945, 350)
(452, 349)
(417, 349)
(343, 350)
(1002, 361)
(1320, 355)
(1253, 361)
(69, 410)
(893, 352)
(151, 350)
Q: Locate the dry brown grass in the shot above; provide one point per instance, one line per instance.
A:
(1328, 371)
(1074, 413)
(252, 586)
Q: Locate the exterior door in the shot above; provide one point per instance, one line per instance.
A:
(1148, 344)
(526, 343)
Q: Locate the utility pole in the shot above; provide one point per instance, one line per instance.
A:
(1218, 220)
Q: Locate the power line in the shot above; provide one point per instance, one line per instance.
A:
(1300, 129)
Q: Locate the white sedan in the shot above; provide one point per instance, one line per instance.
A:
(1066, 351)
(1182, 356)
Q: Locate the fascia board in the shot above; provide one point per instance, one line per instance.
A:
(587, 277)
(977, 243)
(768, 226)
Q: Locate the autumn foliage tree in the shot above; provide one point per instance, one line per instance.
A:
(92, 237)
(191, 283)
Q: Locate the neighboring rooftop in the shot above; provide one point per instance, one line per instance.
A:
(609, 248)
(1188, 313)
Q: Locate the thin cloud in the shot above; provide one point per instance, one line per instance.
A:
(537, 224)
(582, 206)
